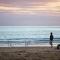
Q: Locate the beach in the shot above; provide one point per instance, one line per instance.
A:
(29, 53)
(29, 43)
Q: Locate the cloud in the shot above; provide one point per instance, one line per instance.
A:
(30, 6)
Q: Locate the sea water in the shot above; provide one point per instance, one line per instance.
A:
(26, 36)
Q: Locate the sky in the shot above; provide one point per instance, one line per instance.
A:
(29, 12)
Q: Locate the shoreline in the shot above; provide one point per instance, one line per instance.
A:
(27, 45)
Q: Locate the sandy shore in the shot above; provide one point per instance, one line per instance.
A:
(29, 53)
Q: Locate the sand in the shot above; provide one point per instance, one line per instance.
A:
(29, 53)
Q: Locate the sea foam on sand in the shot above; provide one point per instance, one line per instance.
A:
(27, 45)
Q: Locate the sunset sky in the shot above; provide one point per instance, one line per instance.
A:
(29, 12)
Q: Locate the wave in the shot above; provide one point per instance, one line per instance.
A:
(46, 39)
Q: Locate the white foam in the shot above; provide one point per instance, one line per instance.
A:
(25, 45)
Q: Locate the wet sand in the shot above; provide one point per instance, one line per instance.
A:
(29, 53)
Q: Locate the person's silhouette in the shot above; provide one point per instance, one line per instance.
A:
(51, 39)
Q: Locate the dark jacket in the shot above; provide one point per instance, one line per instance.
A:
(51, 37)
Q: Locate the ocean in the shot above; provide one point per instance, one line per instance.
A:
(28, 36)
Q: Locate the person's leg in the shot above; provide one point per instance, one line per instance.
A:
(51, 44)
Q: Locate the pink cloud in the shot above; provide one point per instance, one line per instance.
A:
(25, 2)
